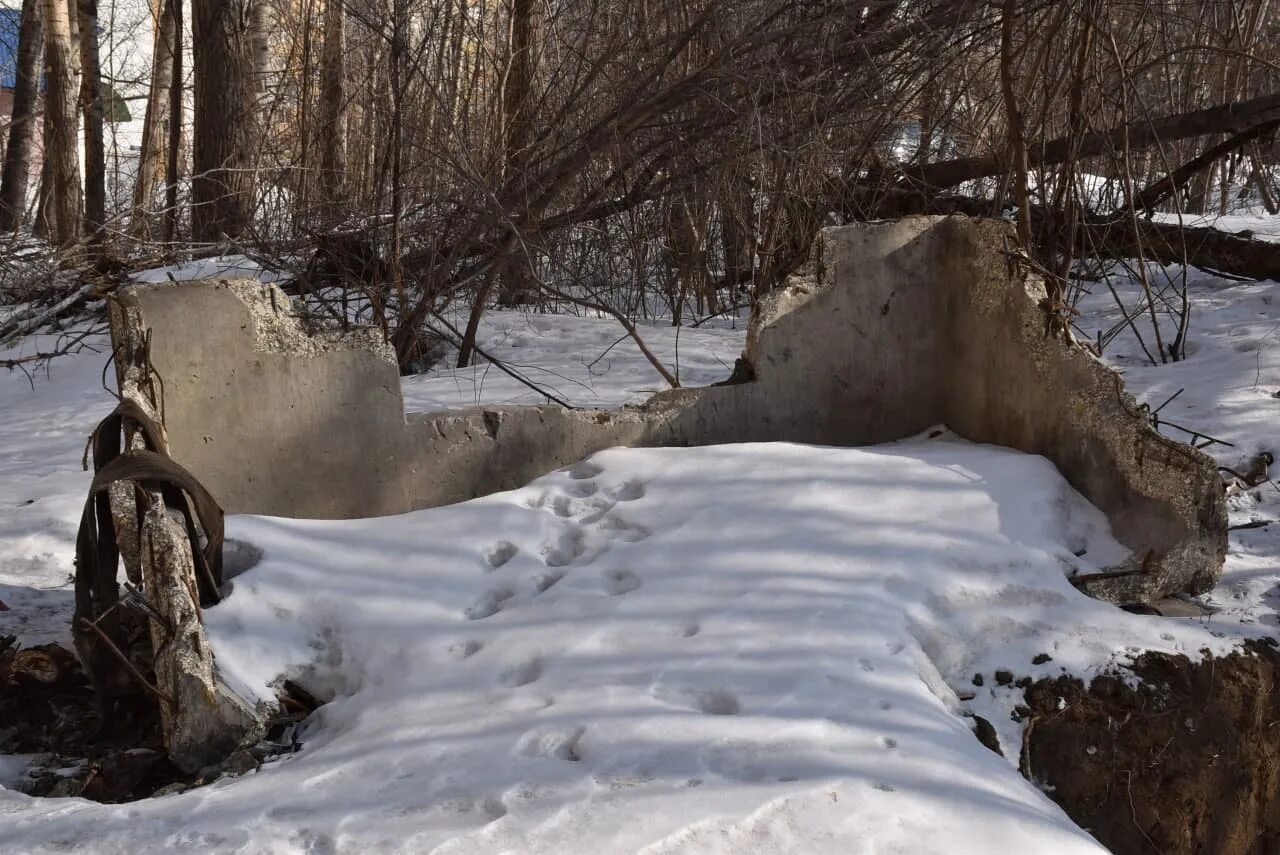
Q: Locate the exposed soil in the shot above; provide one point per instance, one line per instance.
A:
(48, 709)
(1186, 762)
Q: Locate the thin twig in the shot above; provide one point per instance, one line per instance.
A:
(455, 339)
(137, 675)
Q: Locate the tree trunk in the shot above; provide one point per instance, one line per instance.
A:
(172, 158)
(17, 156)
(151, 160)
(1263, 181)
(224, 136)
(517, 272)
(63, 199)
(95, 155)
(737, 232)
(1228, 118)
(333, 141)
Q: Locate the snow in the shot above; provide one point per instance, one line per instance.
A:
(230, 266)
(587, 361)
(725, 649)
(1258, 226)
(750, 648)
(1226, 388)
(44, 424)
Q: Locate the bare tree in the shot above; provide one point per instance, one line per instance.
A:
(173, 164)
(151, 159)
(17, 155)
(61, 189)
(333, 107)
(95, 157)
(226, 48)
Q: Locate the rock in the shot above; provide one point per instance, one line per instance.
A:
(169, 790)
(986, 734)
(241, 763)
(1003, 677)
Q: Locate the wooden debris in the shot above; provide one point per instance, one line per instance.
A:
(150, 511)
(206, 722)
(46, 663)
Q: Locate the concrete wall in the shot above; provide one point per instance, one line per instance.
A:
(896, 327)
(275, 421)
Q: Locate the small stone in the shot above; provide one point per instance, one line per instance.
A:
(1003, 677)
(1023, 683)
(977, 680)
(241, 763)
(65, 787)
(986, 734)
(1041, 658)
(169, 789)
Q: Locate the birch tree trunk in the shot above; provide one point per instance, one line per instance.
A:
(63, 198)
(155, 127)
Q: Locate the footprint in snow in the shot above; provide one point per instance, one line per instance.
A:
(560, 743)
(595, 511)
(581, 489)
(627, 491)
(489, 603)
(620, 529)
(560, 506)
(500, 553)
(464, 649)
(491, 809)
(567, 547)
(521, 673)
(709, 701)
(545, 581)
(617, 582)
(584, 470)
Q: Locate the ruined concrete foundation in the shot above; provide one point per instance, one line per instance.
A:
(894, 327)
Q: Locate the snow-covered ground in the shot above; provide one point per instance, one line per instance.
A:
(588, 361)
(751, 648)
(1254, 223)
(1227, 388)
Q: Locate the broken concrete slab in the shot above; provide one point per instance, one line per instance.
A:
(274, 420)
(894, 328)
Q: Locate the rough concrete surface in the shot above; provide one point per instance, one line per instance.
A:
(895, 327)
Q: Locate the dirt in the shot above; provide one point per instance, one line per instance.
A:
(1188, 761)
(106, 755)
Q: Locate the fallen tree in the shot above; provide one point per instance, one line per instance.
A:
(1230, 118)
(1239, 255)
